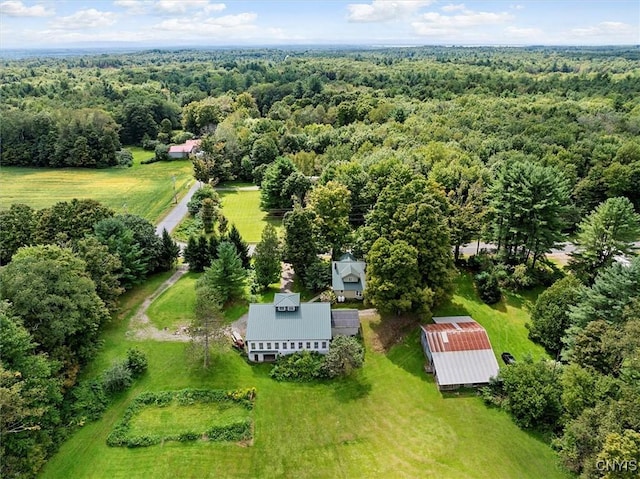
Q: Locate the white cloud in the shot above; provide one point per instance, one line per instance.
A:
(84, 19)
(384, 10)
(603, 28)
(18, 9)
(453, 8)
(213, 25)
(533, 33)
(516, 7)
(435, 24)
(169, 7)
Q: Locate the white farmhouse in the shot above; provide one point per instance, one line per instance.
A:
(286, 326)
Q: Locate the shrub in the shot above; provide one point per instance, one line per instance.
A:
(488, 287)
(124, 159)
(480, 262)
(89, 401)
(149, 144)
(299, 367)
(195, 203)
(162, 152)
(345, 355)
(117, 378)
(136, 362)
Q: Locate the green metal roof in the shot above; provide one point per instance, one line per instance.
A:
(311, 321)
(347, 267)
(287, 299)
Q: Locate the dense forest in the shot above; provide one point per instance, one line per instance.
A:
(399, 155)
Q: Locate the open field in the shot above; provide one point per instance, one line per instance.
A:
(388, 420)
(242, 208)
(144, 190)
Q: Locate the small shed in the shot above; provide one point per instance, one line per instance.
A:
(345, 322)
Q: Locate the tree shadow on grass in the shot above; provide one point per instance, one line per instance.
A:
(351, 388)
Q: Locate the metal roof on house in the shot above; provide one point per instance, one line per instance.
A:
(311, 321)
(345, 267)
(186, 147)
(345, 322)
(286, 299)
(461, 351)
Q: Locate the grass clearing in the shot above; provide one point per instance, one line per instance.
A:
(242, 208)
(177, 419)
(387, 420)
(144, 190)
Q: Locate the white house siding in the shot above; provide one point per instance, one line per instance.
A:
(257, 350)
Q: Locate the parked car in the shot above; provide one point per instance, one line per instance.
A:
(508, 358)
(237, 340)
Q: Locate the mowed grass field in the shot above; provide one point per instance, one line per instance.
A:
(144, 190)
(242, 208)
(386, 421)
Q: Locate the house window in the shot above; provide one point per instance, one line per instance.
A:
(291, 308)
(324, 345)
(299, 345)
(268, 345)
(281, 308)
(284, 345)
(277, 346)
(358, 294)
(315, 345)
(253, 345)
(308, 345)
(261, 345)
(293, 345)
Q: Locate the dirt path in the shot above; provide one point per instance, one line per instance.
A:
(140, 328)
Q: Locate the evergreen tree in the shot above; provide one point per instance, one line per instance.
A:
(608, 231)
(241, 246)
(208, 214)
(225, 276)
(267, 257)
(169, 252)
(528, 205)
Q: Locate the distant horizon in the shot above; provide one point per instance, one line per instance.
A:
(48, 24)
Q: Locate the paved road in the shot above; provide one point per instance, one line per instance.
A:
(566, 248)
(177, 213)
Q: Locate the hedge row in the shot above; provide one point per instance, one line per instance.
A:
(237, 431)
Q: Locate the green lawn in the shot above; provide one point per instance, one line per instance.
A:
(145, 190)
(388, 420)
(176, 306)
(242, 208)
(175, 419)
(504, 321)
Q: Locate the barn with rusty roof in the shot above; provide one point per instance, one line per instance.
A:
(458, 352)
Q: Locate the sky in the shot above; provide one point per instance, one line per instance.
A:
(163, 23)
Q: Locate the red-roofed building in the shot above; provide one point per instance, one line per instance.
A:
(458, 352)
(184, 150)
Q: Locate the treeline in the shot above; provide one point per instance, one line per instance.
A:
(590, 399)
(67, 266)
(560, 102)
